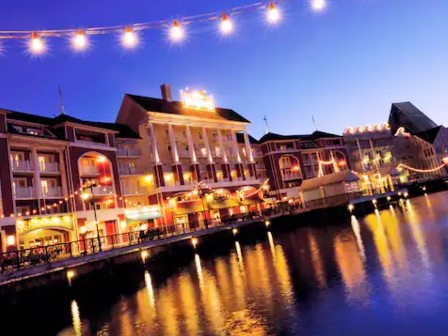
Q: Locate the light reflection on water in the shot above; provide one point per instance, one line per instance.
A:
(386, 274)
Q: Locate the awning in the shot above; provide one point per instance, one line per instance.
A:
(143, 214)
(183, 208)
(228, 203)
(251, 201)
(339, 177)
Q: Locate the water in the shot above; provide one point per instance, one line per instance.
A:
(385, 274)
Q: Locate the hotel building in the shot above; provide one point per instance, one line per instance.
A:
(47, 164)
(193, 164)
(410, 138)
(291, 159)
(370, 150)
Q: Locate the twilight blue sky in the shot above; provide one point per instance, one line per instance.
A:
(344, 66)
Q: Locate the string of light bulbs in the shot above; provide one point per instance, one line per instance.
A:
(326, 163)
(255, 192)
(421, 170)
(79, 39)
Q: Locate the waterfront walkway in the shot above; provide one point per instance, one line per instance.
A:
(56, 266)
(73, 254)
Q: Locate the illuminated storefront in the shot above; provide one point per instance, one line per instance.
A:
(43, 231)
(142, 218)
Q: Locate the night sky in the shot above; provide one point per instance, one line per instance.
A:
(345, 66)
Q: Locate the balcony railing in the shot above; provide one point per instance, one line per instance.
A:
(103, 191)
(127, 170)
(49, 167)
(129, 190)
(52, 192)
(18, 165)
(183, 153)
(24, 192)
(292, 176)
(126, 152)
(89, 171)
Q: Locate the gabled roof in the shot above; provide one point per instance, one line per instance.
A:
(123, 130)
(313, 136)
(28, 117)
(159, 105)
(409, 117)
(429, 135)
(240, 138)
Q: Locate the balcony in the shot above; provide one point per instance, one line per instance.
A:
(24, 192)
(128, 170)
(52, 192)
(21, 166)
(89, 170)
(183, 153)
(134, 190)
(291, 176)
(126, 152)
(49, 167)
(103, 191)
(223, 183)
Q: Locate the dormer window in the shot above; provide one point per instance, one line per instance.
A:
(18, 128)
(33, 131)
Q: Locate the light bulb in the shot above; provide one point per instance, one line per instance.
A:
(273, 14)
(226, 25)
(176, 33)
(318, 5)
(36, 45)
(79, 41)
(129, 38)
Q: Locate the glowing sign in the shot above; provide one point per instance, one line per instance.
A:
(197, 100)
(27, 225)
(145, 213)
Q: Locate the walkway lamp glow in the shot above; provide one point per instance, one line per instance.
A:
(85, 196)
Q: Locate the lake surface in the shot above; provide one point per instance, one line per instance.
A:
(384, 274)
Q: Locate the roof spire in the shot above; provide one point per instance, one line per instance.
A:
(314, 122)
(61, 104)
(267, 125)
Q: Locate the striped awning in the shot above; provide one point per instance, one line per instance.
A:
(224, 204)
(183, 208)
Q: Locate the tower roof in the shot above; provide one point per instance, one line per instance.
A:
(409, 117)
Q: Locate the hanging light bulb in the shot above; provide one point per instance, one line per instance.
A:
(273, 14)
(36, 45)
(226, 25)
(129, 38)
(318, 5)
(79, 41)
(177, 32)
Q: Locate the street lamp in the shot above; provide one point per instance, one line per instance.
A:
(85, 196)
(197, 190)
(83, 232)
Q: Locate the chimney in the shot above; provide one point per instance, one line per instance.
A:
(166, 92)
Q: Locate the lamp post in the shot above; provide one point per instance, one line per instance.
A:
(86, 196)
(83, 232)
(199, 191)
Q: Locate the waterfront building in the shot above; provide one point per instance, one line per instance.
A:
(58, 178)
(419, 142)
(410, 141)
(291, 159)
(194, 163)
(370, 150)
